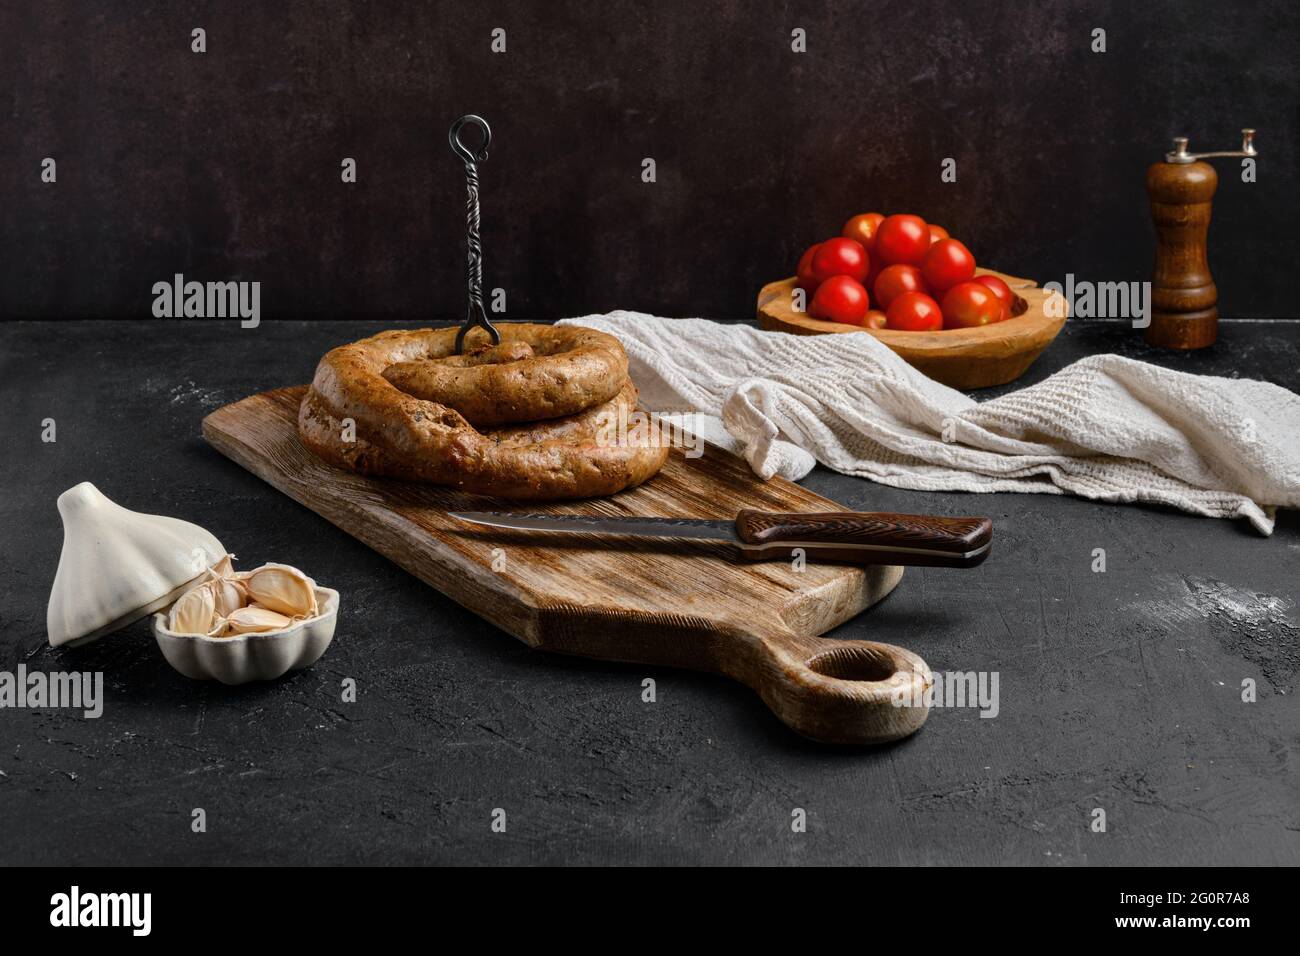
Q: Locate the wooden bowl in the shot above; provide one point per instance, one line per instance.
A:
(960, 358)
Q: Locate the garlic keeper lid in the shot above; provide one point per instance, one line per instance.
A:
(118, 566)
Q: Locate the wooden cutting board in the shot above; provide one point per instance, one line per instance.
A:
(681, 605)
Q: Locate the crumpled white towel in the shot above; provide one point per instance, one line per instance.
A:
(1106, 428)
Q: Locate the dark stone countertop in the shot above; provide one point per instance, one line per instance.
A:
(1118, 690)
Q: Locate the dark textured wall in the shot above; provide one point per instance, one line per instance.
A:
(226, 164)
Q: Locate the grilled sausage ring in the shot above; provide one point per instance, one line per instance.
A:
(569, 369)
(399, 435)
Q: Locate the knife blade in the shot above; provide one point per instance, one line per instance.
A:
(858, 537)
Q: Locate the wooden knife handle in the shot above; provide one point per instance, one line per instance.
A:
(868, 537)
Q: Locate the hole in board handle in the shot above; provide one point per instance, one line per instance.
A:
(854, 663)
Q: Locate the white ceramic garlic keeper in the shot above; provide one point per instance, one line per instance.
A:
(118, 566)
(249, 657)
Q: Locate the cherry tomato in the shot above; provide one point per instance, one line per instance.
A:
(840, 299)
(863, 229)
(804, 272)
(936, 233)
(915, 312)
(893, 281)
(947, 263)
(1002, 291)
(970, 304)
(874, 272)
(840, 257)
(902, 239)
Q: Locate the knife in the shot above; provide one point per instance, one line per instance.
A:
(859, 537)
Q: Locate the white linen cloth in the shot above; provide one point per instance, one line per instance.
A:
(1106, 428)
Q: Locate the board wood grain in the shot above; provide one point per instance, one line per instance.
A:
(668, 603)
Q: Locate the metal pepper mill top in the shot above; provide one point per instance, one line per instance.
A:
(1184, 300)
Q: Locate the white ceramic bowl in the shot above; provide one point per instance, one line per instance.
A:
(250, 657)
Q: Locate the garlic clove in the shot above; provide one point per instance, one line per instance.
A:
(224, 568)
(230, 595)
(255, 620)
(194, 612)
(282, 589)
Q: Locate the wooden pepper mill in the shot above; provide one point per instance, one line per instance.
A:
(1184, 301)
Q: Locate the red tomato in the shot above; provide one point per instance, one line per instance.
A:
(893, 281)
(840, 299)
(1002, 291)
(840, 257)
(970, 304)
(874, 272)
(863, 229)
(947, 263)
(937, 233)
(804, 272)
(915, 312)
(902, 239)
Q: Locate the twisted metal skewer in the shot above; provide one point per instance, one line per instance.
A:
(476, 314)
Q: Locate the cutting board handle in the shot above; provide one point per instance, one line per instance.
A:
(844, 692)
(833, 691)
